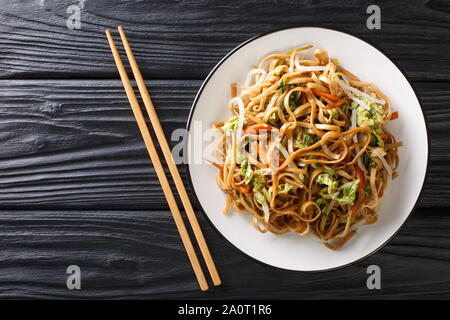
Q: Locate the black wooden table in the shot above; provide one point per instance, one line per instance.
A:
(77, 186)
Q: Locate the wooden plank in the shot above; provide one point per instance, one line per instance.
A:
(138, 254)
(185, 39)
(75, 144)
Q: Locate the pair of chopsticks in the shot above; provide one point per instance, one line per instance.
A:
(169, 160)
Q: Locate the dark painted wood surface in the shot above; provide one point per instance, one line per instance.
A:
(138, 254)
(77, 186)
(185, 39)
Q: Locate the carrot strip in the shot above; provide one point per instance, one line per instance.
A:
(218, 166)
(242, 188)
(325, 95)
(394, 115)
(335, 105)
(383, 136)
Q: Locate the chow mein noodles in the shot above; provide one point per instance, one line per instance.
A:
(306, 149)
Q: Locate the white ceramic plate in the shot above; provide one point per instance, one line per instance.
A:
(291, 251)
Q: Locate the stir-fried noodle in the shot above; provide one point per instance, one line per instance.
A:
(306, 149)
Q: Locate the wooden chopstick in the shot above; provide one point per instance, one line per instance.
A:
(170, 162)
(158, 166)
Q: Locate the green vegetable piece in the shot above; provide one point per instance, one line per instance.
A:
(367, 161)
(309, 139)
(327, 180)
(346, 193)
(282, 86)
(285, 188)
(258, 182)
(231, 124)
(323, 204)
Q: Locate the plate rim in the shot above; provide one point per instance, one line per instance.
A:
(194, 105)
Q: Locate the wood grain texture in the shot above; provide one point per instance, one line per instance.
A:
(75, 144)
(185, 39)
(138, 254)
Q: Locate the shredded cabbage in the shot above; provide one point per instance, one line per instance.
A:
(240, 104)
(298, 143)
(278, 70)
(261, 199)
(330, 171)
(372, 116)
(246, 171)
(258, 182)
(285, 188)
(346, 193)
(327, 180)
(333, 114)
(231, 124)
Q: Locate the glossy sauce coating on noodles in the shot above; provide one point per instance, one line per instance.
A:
(306, 150)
